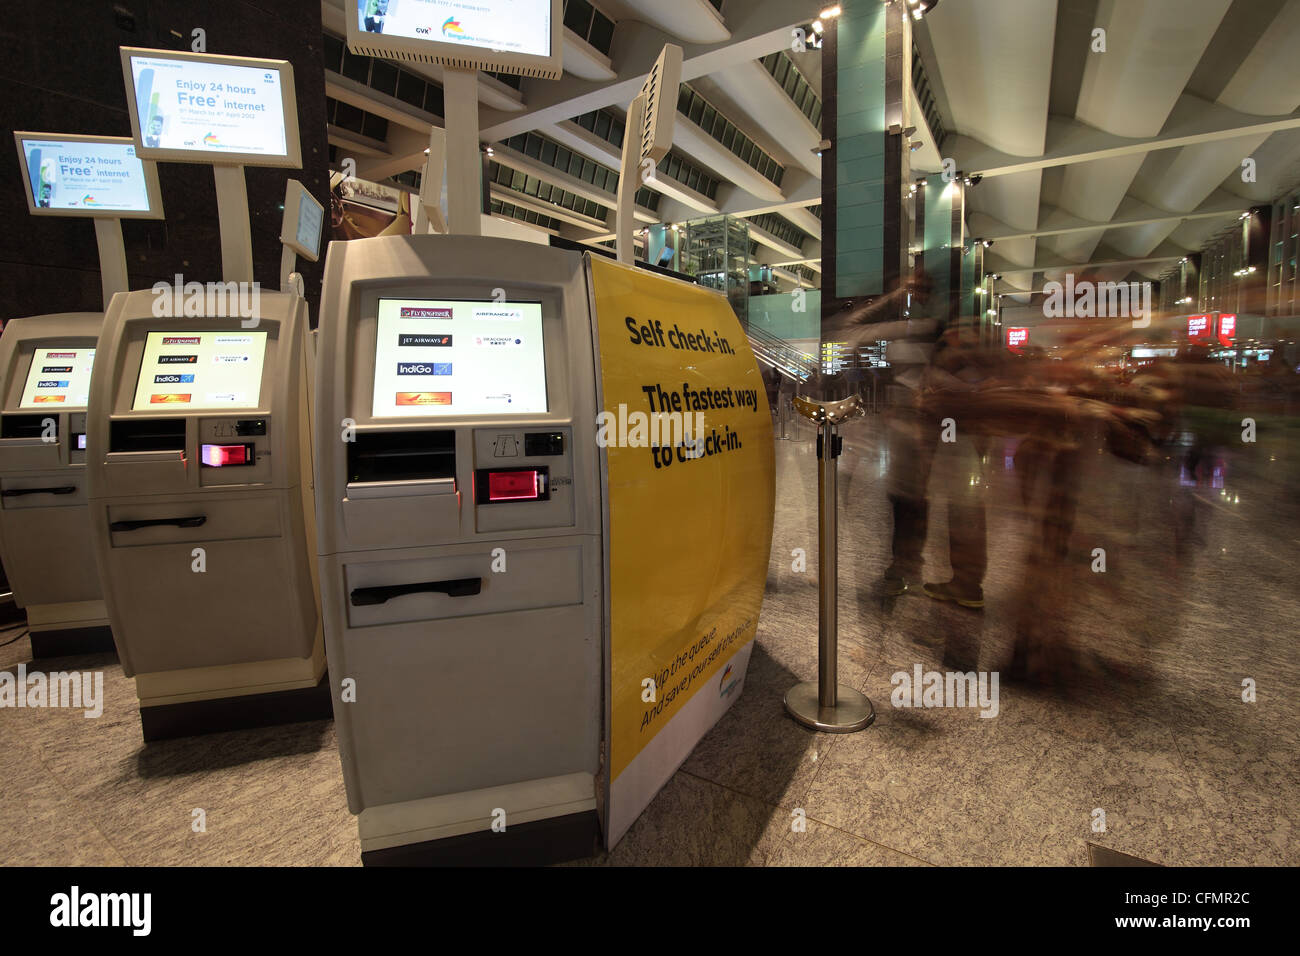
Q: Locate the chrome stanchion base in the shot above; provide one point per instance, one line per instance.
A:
(851, 713)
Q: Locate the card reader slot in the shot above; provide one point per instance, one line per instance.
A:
(54, 490)
(191, 521)
(460, 587)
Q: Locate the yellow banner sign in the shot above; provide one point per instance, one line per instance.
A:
(688, 441)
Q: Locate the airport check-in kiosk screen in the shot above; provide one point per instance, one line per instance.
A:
(210, 108)
(58, 378)
(209, 370)
(515, 26)
(452, 357)
(96, 177)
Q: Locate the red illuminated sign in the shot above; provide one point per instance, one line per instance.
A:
(1199, 328)
(1017, 339)
(1227, 327)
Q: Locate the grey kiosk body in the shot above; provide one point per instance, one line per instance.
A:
(464, 633)
(202, 516)
(45, 540)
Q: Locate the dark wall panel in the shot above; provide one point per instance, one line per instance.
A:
(60, 72)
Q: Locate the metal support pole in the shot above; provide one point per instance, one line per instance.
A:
(828, 554)
(112, 258)
(825, 704)
(628, 180)
(232, 217)
(464, 199)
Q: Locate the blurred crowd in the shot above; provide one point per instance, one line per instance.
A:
(949, 396)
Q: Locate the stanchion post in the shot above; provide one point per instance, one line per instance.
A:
(825, 704)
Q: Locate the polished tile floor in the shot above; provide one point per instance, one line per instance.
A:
(1147, 725)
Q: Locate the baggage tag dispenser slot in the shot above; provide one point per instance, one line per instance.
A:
(401, 486)
(386, 464)
(146, 453)
(32, 427)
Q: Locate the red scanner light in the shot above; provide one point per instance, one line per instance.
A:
(217, 456)
(513, 486)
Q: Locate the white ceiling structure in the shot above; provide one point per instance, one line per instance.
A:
(1120, 161)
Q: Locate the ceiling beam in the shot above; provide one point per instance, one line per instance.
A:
(1070, 142)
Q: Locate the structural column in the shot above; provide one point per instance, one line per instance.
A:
(866, 62)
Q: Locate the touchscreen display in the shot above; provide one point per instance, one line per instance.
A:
(452, 357)
(58, 378)
(182, 370)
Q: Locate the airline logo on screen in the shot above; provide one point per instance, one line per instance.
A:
(60, 355)
(55, 369)
(181, 339)
(504, 315)
(497, 341)
(423, 398)
(423, 368)
(440, 341)
(410, 312)
(170, 398)
(173, 379)
(42, 399)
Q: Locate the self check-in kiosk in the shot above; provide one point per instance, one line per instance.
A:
(200, 499)
(199, 438)
(45, 371)
(532, 612)
(497, 586)
(45, 364)
(460, 531)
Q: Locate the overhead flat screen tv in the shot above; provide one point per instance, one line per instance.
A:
(506, 36)
(203, 108)
(439, 357)
(69, 175)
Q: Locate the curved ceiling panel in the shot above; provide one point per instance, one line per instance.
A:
(1193, 175)
(1152, 47)
(1075, 246)
(694, 21)
(1095, 189)
(1277, 167)
(1012, 199)
(995, 58)
(1268, 82)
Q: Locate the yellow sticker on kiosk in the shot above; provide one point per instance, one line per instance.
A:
(687, 438)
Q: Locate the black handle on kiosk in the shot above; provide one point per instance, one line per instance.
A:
(461, 587)
(191, 522)
(58, 490)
